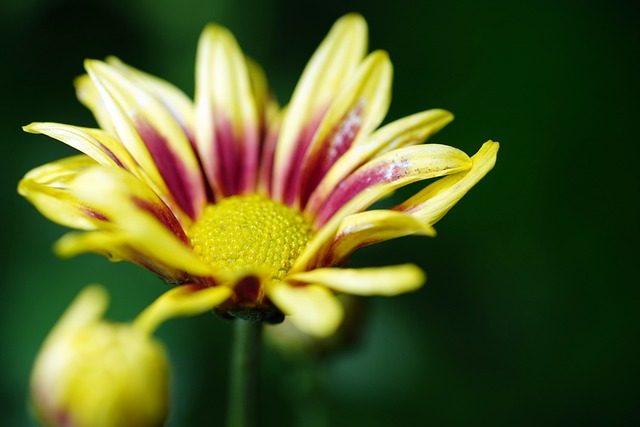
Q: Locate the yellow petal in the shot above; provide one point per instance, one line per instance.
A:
(224, 76)
(149, 247)
(111, 117)
(95, 143)
(130, 221)
(387, 281)
(46, 188)
(371, 84)
(432, 203)
(173, 99)
(393, 170)
(89, 95)
(312, 308)
(332, 64)
(365, 228)
(270, 117)
(433, 160)
(179, 302)
(264, 98)
(265, 178)
(316, 250)
(358, 109)
(152, 136)
(373, 181)
(138, 227)
(410, 130)
(226, 113)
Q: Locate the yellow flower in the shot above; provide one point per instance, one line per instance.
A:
(94, 373)
(232, 191)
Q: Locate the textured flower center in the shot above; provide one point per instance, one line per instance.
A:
(243, 233)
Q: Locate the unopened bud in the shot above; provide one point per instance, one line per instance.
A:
(93, 373)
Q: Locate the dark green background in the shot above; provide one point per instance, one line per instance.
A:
(529, 317)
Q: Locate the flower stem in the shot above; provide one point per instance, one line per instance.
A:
(243, 374)
(308, 396)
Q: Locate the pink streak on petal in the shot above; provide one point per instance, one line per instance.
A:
(109, 153)
(190, 134)
(94, 214)
(293, 169)
(227, 158)
(358, 182)
(333, 147)
(249, 158)
(267, 155)
(171, 167)
(163, 214)
(207, 186)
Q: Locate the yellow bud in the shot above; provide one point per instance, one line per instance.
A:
(93, 373)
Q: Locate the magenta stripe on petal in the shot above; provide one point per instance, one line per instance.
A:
(226, 157)
(293, 169)
(191, 137)
(339, 140)
(94, 214)
(267, 154)
(235, 157)
(170, 166)
(209, 194)
(250, 152)
(109, 153)
(163, 214)
(356, 183)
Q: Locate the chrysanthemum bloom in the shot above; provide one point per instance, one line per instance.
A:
(94, 373)
(231, 191)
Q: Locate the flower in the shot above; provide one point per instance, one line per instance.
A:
(232, 191)
(91, 372)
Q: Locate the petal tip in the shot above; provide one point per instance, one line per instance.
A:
(32, 128)
(214, 31)
(495, 145)
(90, 63)
(352, 19)
(447, 115)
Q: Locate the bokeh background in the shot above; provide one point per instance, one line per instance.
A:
(530, 314)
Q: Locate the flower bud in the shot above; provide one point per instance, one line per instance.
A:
(91, 372)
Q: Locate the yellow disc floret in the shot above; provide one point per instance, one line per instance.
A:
(250, 233)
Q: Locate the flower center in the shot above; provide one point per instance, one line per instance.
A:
(252, 233)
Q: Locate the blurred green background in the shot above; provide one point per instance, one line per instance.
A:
(530, 314)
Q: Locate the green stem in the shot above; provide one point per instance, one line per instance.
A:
(243, 374)
(309, 399)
